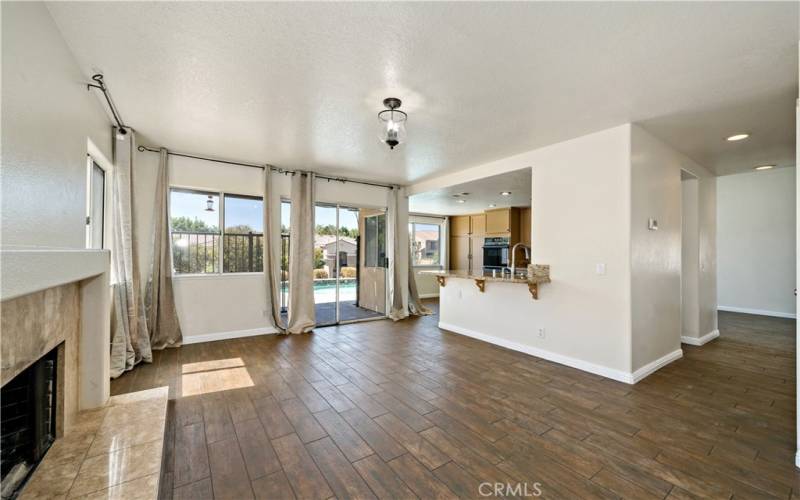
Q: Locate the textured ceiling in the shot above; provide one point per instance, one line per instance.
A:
(299, 84)
(480, 194)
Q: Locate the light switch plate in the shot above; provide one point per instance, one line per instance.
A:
(600, 269)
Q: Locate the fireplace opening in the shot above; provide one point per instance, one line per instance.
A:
(27, 422)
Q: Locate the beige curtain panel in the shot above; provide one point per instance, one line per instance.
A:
(130, 342)
(271, 257)
(302, 317)
(398, 230)
(162, 317)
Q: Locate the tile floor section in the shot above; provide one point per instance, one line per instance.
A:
(111, 452)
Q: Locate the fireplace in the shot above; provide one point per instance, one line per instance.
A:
(28, 414)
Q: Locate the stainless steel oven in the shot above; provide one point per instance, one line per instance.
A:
(495, 253)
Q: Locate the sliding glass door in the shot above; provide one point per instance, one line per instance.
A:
(349, 271)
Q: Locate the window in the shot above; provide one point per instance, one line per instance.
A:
(375, 241)
(194, 222)
(95, 216)
(243, 235)
(426, 245)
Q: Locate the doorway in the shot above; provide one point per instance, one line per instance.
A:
(349, 264)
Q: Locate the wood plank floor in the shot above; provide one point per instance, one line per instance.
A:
(398, 410)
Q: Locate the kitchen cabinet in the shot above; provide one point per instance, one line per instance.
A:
(477, 225)
(476, 253)
(460, 252)
(525, 225)
(503, 221)
(460, 225)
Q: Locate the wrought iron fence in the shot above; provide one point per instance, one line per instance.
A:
(243, 253)
(198, 253)
(195, 253)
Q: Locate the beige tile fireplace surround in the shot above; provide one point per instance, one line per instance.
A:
(58, 299)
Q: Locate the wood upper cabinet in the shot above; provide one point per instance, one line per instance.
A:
(460, 225)
(502, 220)
(525, 225)
(478, 224)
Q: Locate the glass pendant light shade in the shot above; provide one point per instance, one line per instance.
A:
(392, 122)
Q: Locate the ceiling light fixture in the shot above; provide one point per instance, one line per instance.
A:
(492, 205)
(506, 193)
(764, 167)
(392, 123)
(461, 201)
(737, 137)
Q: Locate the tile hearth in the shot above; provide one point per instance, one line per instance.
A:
(110, 452)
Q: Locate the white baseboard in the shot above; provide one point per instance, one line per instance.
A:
(705, 339)
(235, 334)
(759, 312)
(428, 295)
(618, 375)
(655, 365)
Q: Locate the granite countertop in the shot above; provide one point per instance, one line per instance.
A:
(480, 275)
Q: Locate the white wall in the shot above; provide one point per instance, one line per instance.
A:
(756, 238)
(591, 199)
(656, 255)
(581, 202)
(222, 306)
(47, 118)
(690, 259)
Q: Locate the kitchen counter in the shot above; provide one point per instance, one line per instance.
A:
(540, 275)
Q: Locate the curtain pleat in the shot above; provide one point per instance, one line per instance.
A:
(270, 253)
(302, 316)
(162, 317)
(398, 230)
(130, 342)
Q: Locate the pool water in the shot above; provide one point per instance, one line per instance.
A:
(326, 292)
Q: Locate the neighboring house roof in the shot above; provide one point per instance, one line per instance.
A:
(328, 242)
(426, 235)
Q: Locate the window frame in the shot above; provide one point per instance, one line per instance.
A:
(378, 263)
(220, 273)
(412, 230)
(93, 160)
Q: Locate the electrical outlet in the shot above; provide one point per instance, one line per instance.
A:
(600, 269)
(541, 333)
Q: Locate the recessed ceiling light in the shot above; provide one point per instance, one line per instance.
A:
(764, 167)
(506, 193)
(461, 201)
(737, 137)
(492, 205)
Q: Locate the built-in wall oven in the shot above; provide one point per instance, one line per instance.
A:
(495, 253)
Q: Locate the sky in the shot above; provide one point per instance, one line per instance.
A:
(246, 211)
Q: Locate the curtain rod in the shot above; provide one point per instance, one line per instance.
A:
(263, 166)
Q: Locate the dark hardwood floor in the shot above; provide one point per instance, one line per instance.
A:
(398, 410)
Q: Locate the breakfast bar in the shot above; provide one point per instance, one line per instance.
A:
(537, 275)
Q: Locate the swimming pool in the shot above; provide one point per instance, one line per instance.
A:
(325, 290)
